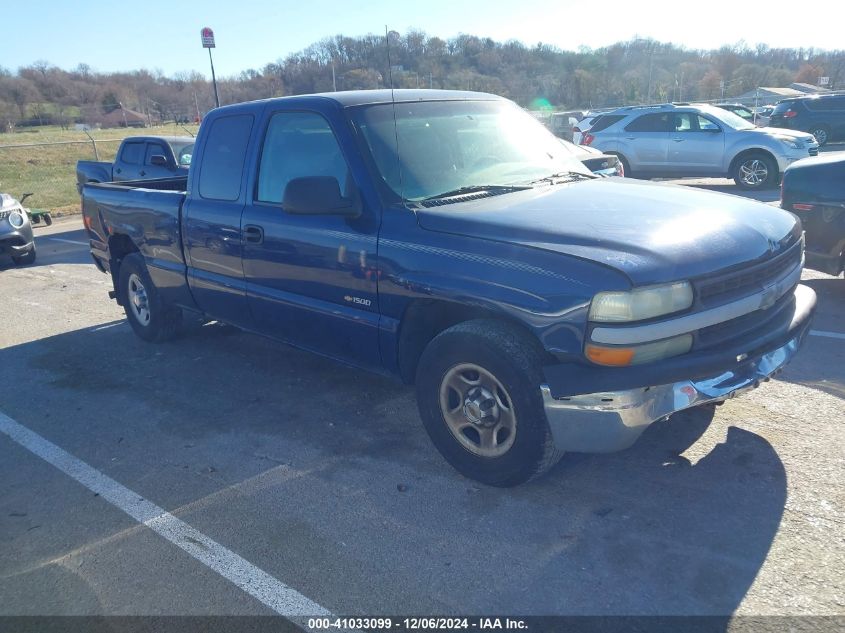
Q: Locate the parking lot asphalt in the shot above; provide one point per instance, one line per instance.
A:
(321, 477)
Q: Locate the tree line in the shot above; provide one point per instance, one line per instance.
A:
(631, 72)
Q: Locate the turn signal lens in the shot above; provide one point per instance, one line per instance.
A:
(614, 356)
(639, 354)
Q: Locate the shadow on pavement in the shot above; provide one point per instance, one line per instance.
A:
(66, 247)
(645, 531)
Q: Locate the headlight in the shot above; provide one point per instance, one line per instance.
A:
(638, 354)
(641, 303)
(794, 144)
(17, 219)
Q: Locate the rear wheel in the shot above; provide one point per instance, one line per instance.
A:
(822, 134)
(755, 171)
(150, 318)
(478, 392)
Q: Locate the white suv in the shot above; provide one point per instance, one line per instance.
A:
(681, 140)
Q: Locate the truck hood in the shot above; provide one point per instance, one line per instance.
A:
(651, 232)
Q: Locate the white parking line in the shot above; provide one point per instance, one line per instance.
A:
(260, 585)
(59, 239)
(106, 326)
(827, 334)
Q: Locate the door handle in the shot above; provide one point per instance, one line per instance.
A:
(143, 173)
(253, 234)
(678, 140)
(118, 170)
(630, 138)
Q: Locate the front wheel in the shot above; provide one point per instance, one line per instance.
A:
(755, 171)
(478, 393)
(150, 318)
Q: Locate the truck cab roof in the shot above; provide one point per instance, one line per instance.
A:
(370, 97)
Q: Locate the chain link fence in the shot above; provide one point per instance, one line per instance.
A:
(43, 161)
(48, 171)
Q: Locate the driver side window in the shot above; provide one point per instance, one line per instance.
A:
(298, 144)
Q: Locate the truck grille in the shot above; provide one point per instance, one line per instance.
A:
(814, 151)
(742, 282)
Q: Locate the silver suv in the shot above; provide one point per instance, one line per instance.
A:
(680, 140)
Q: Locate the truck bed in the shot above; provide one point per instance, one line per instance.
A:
(147, 212)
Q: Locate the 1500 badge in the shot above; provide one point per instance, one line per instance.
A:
(358, 300)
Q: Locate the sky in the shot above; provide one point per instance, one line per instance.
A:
(165, 35)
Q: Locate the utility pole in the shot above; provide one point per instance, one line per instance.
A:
(650, 65)
(334, 79)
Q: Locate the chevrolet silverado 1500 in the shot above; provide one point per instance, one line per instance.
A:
(445, 238)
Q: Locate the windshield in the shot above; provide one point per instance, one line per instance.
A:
(448, 146)
(730, 119)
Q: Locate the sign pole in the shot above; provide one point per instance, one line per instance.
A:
(208, 42)
(213, 79)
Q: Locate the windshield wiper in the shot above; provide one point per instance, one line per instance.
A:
(492, 189)
(562, 174)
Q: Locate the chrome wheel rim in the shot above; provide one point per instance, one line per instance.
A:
(478, 410)
(753, 172)
(821, 136)
(138, 301)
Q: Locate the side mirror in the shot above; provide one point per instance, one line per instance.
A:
(158, 160)
(317, 195)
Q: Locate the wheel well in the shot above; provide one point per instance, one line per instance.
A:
(425, 319)
(120, 245)
(749, 152)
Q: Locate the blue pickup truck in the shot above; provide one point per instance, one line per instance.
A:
(140, 157)
(447, 239)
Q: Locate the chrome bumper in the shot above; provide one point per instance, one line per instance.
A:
(608, 422)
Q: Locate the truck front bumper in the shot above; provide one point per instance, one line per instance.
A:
(608, 421)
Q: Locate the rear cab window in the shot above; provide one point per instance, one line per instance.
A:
(132, 153)
(224, 156)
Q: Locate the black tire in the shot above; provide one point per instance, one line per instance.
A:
(822, 134)
(755, 171)
(156, 321)
(514, 360)
(27, 259)
(48, 219)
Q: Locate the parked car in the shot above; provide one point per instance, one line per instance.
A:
(598, 122)
(562, 124)
(675, 141)
(598, 163)
(449, 240)
(140, 157)
(743, 112)
(16, 237)
(823, 116)
(814, 189)
(763, 115)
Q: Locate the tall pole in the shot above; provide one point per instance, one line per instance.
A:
(213, 79)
